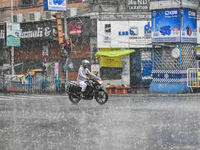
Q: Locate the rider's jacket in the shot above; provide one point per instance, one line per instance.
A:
(82, 74)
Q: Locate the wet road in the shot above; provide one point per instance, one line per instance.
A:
(42, 122)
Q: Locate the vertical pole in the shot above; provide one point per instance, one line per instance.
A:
(180, 56)
(66, 38)
(196, 63)
(12, 48)
(152, 57)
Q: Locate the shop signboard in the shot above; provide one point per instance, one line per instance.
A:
(188, 26)
(124, 34)
(83, 27)
(12, 34)
(113, 62)
(174, 25)
(30, 31)
(54, 5)
(165, 25)
(138, 5)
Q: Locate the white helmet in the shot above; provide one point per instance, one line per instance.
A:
(85, 62)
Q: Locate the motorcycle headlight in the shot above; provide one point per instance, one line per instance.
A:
(100, 82)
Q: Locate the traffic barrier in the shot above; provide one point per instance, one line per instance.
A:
(29, 84)
(193, 78)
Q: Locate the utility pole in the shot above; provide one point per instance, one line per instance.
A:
(66, 38)
(12, 48)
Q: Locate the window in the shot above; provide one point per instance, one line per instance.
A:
(74, 1)
(28, 2)
(108, 73)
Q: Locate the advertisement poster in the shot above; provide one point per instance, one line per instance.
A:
(12, 34)
(189, 26)
(57, 70)
(165, 25)
(112, 62)
(174, 25)
(59, 5)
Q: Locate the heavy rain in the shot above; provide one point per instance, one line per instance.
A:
(99, 74)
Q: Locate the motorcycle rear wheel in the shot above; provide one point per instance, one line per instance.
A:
(101, 97)
(74, 99)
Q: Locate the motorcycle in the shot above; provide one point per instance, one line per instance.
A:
(93, 89)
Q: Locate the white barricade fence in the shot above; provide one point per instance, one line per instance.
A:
(193, 77)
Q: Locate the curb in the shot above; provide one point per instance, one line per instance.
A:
(116, 95)
(155, 95)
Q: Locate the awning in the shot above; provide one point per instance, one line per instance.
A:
(114, 53)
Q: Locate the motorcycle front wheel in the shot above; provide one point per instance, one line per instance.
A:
(101, 96)
(74, 99)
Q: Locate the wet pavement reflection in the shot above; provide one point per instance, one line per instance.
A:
(42, 122)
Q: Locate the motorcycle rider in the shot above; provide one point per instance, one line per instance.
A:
(82, 75)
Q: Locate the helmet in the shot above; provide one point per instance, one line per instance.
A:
(85, 62)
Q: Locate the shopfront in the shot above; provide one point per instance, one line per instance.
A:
(132, 68)
(37, 39)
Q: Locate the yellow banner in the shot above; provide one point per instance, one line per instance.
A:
(110, 61)
(199, 75)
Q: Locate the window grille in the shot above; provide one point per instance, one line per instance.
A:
(188, 57)
(163, 59)
(28, 2)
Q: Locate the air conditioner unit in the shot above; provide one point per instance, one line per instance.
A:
(25, 17)
(35, 16)
(49, 15)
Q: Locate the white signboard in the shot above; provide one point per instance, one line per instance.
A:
(95, 69)
(12, 34)
(59, 5)
(123, 34)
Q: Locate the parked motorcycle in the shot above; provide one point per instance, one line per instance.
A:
(93, 89)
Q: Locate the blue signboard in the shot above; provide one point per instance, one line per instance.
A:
(188, 26)
(174, 25)
(55, 5)
(166, 25)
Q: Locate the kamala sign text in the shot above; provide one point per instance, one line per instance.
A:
(38, 33)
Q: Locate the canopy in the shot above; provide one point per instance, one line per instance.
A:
(114, 53)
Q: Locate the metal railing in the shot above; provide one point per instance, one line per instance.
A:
(29, 84)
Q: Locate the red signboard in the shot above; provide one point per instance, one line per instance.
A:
(75, 29)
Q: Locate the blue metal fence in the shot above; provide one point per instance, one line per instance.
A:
(29, 84)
